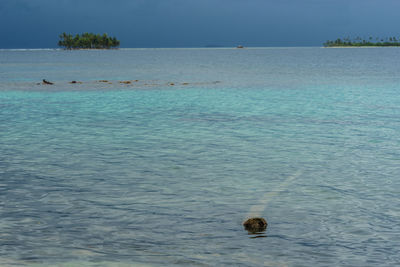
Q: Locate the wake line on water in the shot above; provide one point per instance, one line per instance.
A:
(258, 210)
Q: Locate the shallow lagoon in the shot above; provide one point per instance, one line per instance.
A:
(160, 174)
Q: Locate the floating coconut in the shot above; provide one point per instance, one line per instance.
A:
(255, 225)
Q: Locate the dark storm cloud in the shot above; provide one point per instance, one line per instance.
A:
(177, 23)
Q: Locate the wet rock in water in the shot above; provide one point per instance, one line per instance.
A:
(47, 82)
(255, 225)
(103, 81)
(171, 83)
(75, 82)
(185, 83)
(125, 82)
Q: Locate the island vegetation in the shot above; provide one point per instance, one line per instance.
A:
(88, 41)
(361, 42)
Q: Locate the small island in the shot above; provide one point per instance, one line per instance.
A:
(88, 41)
(360, 42)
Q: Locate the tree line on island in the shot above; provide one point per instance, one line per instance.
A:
(359, 42)
(87, 41)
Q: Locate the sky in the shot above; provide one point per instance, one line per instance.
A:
(197, 23)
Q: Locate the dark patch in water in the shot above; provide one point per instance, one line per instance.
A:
(255, 225)
(258, 235)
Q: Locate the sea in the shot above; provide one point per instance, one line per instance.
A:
(156, 157)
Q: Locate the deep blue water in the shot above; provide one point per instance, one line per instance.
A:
(164, 171)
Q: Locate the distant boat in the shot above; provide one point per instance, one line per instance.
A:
(47, 82)
(240, 46)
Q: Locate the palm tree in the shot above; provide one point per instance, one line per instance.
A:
(87, 40)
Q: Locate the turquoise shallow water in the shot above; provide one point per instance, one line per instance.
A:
(159, 174)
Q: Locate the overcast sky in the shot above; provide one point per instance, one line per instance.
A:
(197, 23)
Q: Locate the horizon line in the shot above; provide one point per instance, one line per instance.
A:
(189, 47)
